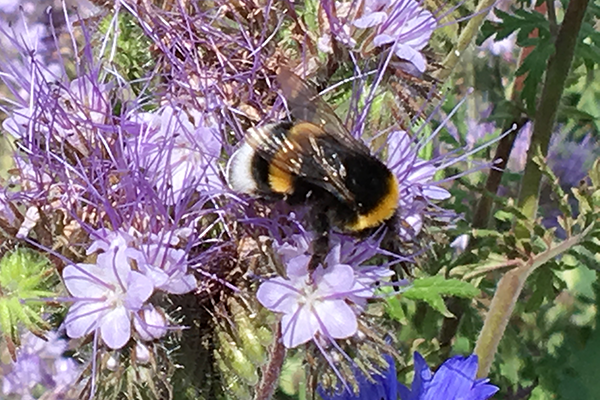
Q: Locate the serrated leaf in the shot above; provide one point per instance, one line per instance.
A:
(431, 290)
(534, 66)
(488, 29)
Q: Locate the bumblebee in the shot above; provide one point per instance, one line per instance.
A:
(314, 160)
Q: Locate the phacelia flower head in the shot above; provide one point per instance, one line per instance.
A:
(324, 303)
(455, 379)
(70, 113)
(178, 152)
(110, 294)
(404, 25)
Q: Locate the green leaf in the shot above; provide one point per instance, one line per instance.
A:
(591, 246)
(534, 65)
(394, 309)
(431, 290)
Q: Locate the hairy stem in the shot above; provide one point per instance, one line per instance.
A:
(556, 75)
(272, 370)
(505, 298)
(511, 284)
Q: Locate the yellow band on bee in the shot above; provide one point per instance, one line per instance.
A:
(280, 181)
(384, 211)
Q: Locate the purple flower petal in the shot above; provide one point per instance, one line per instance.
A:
(151, 324)
(298, 328)
(139, 289)
(454, 380)
(338, 319)
(115, 328)
(481, 391)
(435, 192)
(83, 281)
(334, 279)
(297, 267)
(180, 284)
(83, 318)
(370, 20)
(455, 376)
(408, 53)
(278, 295)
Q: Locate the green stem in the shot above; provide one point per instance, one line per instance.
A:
(556, 75)
(505, 298)
(465, 39)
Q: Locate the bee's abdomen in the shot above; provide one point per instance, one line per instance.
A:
(375, 191)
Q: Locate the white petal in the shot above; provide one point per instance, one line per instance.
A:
(115, 328)
(298, 328)
(336, 319)
(278, 295)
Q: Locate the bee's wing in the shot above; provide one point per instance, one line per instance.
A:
(305, 104)
(309, 152)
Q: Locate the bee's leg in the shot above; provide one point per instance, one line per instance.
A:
(321, 242)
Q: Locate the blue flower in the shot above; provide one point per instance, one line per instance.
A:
(382, 386)
(454, 380)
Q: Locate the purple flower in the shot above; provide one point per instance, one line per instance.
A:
(179, 153)
(164, 265)
(74, 112)
(415, 181)
(454, 380)
(569, 159)
(106, 295)
(323, 304)
(311, 304)
(404, 25)
(40, 366)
